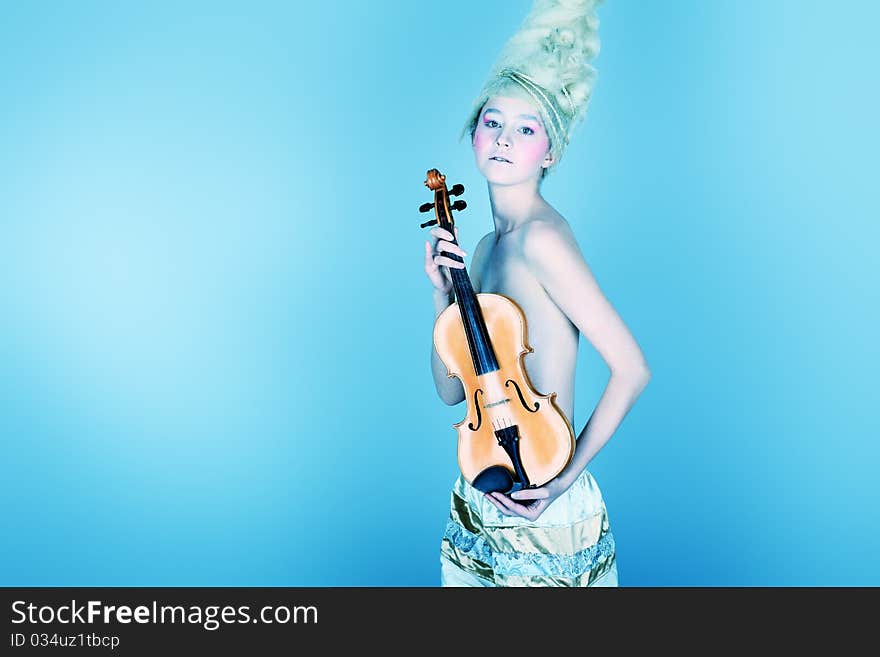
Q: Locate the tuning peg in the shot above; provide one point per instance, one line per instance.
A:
(433, 222)
(459, 205)
(457, 190)
(426, 207)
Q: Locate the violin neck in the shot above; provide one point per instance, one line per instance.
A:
(482, 353)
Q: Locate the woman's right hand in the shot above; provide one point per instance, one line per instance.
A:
(436, 266)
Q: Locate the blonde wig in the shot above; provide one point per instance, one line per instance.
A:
(547, 63)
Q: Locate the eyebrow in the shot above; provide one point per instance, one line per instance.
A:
(521, 116)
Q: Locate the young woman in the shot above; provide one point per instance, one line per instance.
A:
(557, 534)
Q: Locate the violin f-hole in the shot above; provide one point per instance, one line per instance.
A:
(521, 398)
(479, 414)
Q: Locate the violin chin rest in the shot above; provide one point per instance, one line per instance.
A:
(496, 479)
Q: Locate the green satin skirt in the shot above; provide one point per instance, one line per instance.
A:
(568, 545)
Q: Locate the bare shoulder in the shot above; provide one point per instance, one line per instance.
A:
(551, 252)
(549, 238)
(557, 263)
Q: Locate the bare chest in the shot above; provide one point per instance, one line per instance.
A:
(506, 272)
(550, 333)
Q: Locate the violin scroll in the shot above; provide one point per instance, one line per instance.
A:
(436, 182)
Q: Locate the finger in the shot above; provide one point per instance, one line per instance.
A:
(497, 504)
(449, 247)
(511, 506)
(429, 253)
(530, 494)
(531, 511)
(448, 262)
(442, 233)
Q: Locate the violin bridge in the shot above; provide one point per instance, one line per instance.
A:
(497, 403)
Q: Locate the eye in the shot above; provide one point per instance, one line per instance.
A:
(491, 123)
(527, 130)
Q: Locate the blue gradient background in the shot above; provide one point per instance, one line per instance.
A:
(215, 325)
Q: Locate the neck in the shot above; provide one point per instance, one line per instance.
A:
(513, 205)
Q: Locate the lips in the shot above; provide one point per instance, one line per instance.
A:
(498, 158)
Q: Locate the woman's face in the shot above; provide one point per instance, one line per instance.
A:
(510, 143)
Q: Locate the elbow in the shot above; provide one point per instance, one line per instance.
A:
(451, 400)
(645, 378)
(642, 377)
(450, 397)
(638, 376)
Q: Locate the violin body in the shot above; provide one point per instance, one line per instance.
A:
(502, 398)
(512, 437)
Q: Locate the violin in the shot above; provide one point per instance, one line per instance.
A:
(512, 436)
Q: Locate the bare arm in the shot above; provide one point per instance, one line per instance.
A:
(449, 388)
(556, 260)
